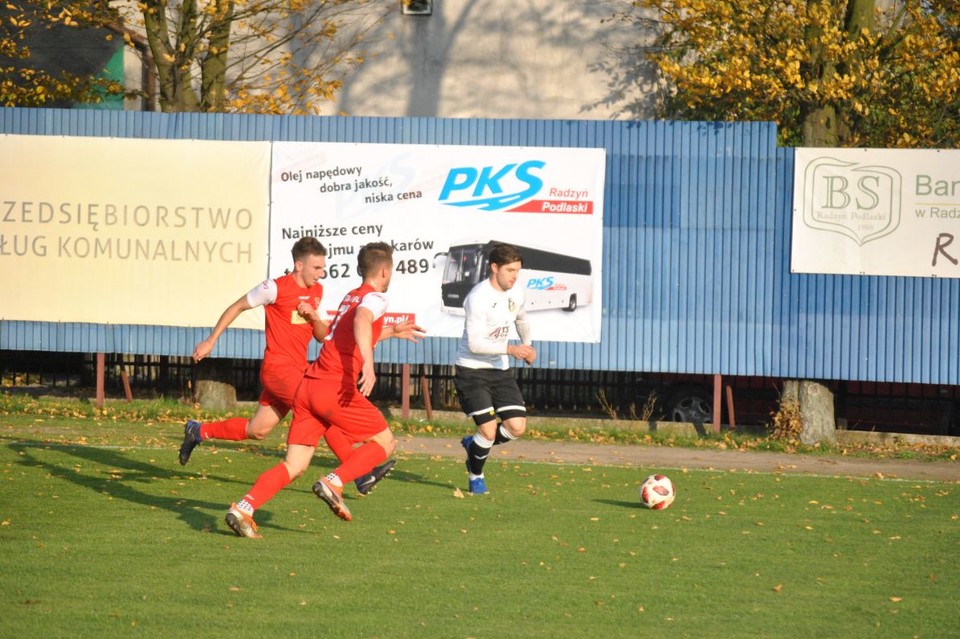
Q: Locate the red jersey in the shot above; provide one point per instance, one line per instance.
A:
(288, 335)
(339, 357)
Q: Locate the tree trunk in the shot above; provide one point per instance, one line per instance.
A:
(823, 126)
(816, 411)
(173, 56)
(213, 69)
(214, 389)
(820, 127)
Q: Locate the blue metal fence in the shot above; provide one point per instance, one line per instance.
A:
(696, 254)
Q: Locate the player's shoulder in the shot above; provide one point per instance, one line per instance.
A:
(282, 282)
(483, 288)
(475, 297)
(263, 293)
(374, 299)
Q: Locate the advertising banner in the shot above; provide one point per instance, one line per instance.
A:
(441, 207)
(131, 231)
(876, 212)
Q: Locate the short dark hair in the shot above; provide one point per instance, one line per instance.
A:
(502, 253)
(374, 255)
(307, 246)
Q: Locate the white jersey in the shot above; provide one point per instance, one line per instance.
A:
(486, 329)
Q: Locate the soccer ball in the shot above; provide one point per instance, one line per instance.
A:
(657, 492)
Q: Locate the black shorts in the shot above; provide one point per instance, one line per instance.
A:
(486, 393)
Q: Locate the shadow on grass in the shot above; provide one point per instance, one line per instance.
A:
(117, 475)
(620, 503)
(414, 478)
(110, 471)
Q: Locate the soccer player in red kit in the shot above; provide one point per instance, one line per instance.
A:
(333, 397)
(291, 304)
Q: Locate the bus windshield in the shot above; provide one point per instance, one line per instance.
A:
(464, 264)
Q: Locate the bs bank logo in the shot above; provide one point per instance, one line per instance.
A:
(860, 202)
(492, 188)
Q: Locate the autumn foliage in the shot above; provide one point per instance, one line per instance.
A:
(253, 56)
(25, 83)
(858, 73)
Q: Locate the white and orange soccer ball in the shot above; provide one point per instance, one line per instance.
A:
(657, 492)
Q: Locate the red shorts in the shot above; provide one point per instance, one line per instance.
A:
(279, 388)
(325, 403)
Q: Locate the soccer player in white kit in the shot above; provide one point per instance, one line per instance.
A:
(486, 386)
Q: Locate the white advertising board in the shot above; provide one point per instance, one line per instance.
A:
(439, 206)
(131, 231)
(876, 212)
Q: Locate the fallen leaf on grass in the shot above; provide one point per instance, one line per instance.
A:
(458, 493)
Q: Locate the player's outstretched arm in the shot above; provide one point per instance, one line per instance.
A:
(404, 330)
(231, 313)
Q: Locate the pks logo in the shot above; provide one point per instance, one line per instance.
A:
(860, 202)
(540, 283)
(490, 188)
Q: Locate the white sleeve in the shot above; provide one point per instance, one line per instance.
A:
(376, 303)
(523, 327)
(262, 294)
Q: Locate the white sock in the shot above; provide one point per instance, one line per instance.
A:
(482, 441)
(334, 479)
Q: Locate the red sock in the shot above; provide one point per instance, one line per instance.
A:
(339, 443)
(361, 461)
(233, 429)
(268, 484)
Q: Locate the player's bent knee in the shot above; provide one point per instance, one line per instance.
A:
(298, 459)
(389, 446)
(259, 429)
(516, 427)
(386, 440)
(295, 470)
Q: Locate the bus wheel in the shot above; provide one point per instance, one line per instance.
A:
(572, 304)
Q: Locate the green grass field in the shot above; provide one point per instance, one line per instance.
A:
(104, 535)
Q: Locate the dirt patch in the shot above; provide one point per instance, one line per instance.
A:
(664, 457)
